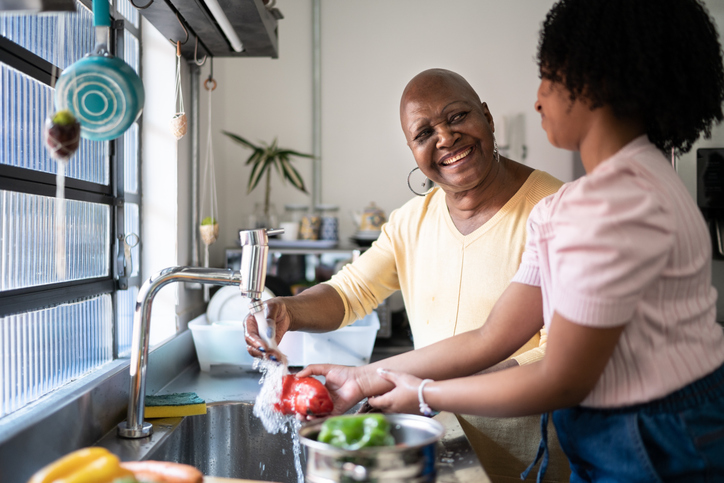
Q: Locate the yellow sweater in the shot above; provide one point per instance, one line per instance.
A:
(449, 282)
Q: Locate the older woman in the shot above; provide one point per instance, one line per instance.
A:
(451, 252)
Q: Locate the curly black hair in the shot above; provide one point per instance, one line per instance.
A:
(658, 61)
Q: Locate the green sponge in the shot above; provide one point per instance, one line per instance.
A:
(174, 405)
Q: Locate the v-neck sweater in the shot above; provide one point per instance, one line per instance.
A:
(449, 281)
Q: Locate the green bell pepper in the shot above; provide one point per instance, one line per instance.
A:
(355, 432)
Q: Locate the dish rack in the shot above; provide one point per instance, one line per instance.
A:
(223, 343)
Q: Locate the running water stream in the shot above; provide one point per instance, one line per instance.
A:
(273, 373)
(274, 421)
(60, 222)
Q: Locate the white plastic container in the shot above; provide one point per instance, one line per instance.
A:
(223, 343)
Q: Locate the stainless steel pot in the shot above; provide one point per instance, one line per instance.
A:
(412, 459)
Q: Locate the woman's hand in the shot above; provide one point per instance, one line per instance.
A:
(401, 399)
(341, 382)
(277, 314)
(317, 309)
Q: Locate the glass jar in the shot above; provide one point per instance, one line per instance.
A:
(261, 218)
(329, 222)
(291, 221)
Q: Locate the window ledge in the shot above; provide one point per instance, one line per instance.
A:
(81, 412)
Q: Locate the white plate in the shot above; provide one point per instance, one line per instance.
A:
(366, 235)
(302, 243)
(227, 304)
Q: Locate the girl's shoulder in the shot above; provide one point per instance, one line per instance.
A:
(620, 191)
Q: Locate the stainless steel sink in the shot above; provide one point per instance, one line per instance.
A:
(229, 441)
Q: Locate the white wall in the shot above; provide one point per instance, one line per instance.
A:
(165, 168)
(370, 50)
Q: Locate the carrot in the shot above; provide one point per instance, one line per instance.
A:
(164, 471)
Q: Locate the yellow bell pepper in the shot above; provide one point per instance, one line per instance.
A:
(87, 465)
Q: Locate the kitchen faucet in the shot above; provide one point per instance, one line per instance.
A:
(250, 278)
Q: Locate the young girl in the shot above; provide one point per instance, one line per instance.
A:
(617, 265)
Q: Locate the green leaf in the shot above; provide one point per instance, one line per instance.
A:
(291, 152)
(255, 157)
(256, 174)
(293, 175)
(240, 140)
(264, 156)
(278, 166)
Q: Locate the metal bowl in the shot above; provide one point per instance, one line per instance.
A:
(412, 459)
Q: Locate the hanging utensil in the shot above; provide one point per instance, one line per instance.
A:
(103, 92)
(209, 228)
(178, 121)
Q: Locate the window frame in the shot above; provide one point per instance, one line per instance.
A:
(29, 181)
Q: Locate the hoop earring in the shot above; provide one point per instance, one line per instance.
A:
(425, 183)
(496, 153)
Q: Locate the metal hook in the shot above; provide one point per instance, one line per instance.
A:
(196, 54)
(185, 31)
(210, 81)
(143, 7)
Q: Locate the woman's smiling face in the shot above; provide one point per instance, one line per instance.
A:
(449, 131)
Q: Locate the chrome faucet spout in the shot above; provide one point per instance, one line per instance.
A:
(254, 251)
(251, 279)
(135, 427)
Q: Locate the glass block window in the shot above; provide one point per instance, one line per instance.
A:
(25, 103)
(131, 51)
(45, 349)
(129, 12)
(28, 236)
(125, 305)
(60, 38)
(62, 313)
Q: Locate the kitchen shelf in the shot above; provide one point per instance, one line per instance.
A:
(255, 25)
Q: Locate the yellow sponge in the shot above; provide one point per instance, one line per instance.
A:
(174, 405)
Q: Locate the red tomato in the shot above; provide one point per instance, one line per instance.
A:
(305, 395)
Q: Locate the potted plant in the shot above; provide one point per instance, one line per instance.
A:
(263, 158)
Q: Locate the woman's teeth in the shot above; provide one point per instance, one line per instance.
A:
(457, 158)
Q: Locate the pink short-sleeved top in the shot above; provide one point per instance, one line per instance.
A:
(626, 244)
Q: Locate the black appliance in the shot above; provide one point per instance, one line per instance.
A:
(710, 194)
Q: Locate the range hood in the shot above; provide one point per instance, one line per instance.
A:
(253, 21)
(36, 6)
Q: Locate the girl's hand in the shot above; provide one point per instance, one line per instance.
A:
(341, 382)
(401, 399)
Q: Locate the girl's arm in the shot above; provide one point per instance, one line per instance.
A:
(515, 318)
(575, 358)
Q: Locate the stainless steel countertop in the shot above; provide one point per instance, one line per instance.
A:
(457, 462)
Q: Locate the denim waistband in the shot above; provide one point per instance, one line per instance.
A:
(708, 388)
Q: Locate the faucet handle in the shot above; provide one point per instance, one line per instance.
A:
(259, 236)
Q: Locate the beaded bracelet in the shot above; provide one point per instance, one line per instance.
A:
(424, 408)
